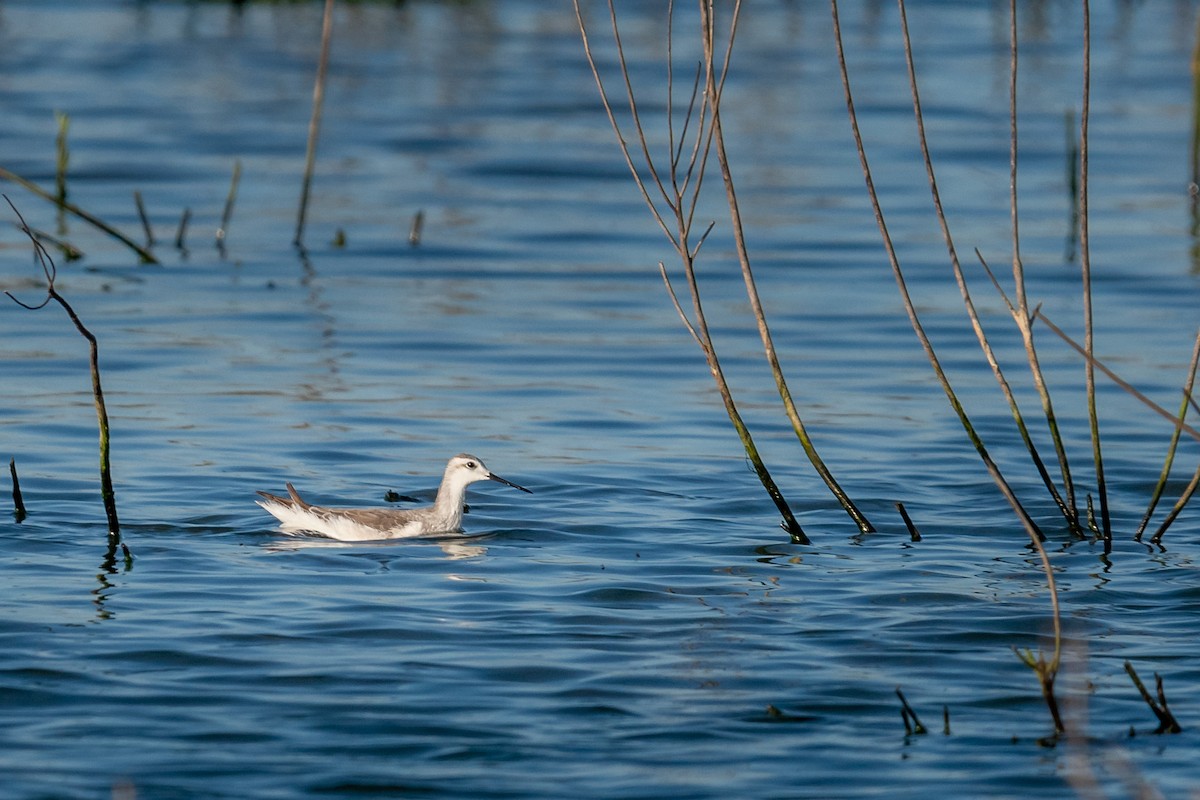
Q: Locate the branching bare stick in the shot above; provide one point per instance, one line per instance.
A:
(106, 487)
(679, 191)
(1047, 673)
(714, 101)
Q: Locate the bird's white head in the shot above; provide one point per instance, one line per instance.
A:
(465, 469)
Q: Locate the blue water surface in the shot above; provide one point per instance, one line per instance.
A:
(639, 626)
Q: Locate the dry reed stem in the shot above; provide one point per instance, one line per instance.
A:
(1065, 507)
(314, 123)
(1020, 312)
(906, 298)
(1085, 264)
(1046, 670)
(1176, 420)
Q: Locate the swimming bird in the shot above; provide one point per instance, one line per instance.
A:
(363, 524)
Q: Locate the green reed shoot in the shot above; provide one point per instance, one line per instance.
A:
(913, 533)
(1085, 263)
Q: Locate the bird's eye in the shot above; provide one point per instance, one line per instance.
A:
(470, 465)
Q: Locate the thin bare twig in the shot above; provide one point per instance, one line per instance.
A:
(50, 272)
